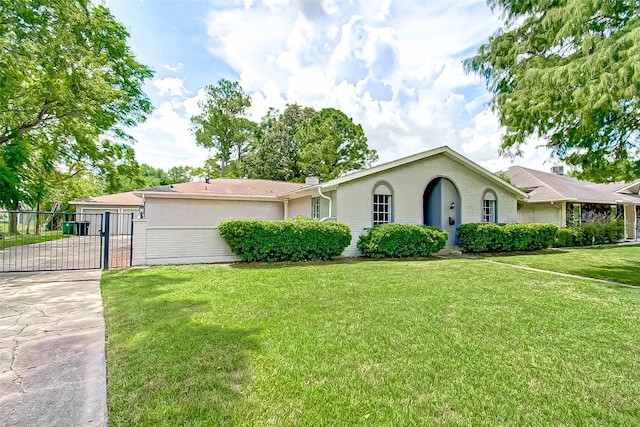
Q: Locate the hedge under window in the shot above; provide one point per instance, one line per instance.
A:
(489, 204)
(382, 206)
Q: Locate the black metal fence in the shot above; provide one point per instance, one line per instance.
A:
(48, 241)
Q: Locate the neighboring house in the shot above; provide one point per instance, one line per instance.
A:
(122, 203)
(436, 187)
(555, 198)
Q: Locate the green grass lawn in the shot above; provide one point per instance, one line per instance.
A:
(7, 240)
(454, 342)
(24, 238)
(617, 263)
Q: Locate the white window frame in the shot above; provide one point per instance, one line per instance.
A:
(382, 203)
(489, 206)
(381, 209)
(315, 208)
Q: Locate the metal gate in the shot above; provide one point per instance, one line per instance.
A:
(50, 241)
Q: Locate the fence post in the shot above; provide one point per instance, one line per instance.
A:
(107, 221)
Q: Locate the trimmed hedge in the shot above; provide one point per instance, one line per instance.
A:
(595, 233)
(397, 240)
(285, 240)
(490, 237)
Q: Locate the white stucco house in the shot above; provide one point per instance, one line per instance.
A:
(435, 187)
(562, 200)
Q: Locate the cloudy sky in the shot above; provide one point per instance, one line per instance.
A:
(394, 66)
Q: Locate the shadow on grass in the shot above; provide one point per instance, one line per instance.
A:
(168, 362)
(628, 273)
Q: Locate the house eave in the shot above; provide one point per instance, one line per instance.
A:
(200, 196)
(445, 150)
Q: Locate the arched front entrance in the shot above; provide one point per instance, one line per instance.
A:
(441, 207)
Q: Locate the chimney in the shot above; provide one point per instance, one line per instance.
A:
(206, 181)
(312, 180)
(558, 170)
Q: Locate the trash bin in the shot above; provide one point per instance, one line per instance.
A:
(68, 227)
(82, 228)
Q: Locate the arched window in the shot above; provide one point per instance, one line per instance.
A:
(489, 206)
(382, 203)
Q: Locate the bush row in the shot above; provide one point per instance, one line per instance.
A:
(595, 233)
(396, 240)
(490, 237)
(285, 240)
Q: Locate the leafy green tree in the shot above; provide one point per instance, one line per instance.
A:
(568, 71)
(275, 152)
(70, 85)
(331, 144)
(221, 124)
(211, 169)
(178, 174)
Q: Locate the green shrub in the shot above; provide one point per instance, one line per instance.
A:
(285, 240)
(565, 237)
(491, 237)
(397, 240)
(593, 233)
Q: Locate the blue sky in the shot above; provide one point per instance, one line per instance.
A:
(394, 66)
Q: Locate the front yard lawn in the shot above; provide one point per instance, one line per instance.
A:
(8, 240)
(617, 263)
(453, 342)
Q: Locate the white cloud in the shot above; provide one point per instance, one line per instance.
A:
(394, 66)
(170, 86)
(165, 140)
(171, 68)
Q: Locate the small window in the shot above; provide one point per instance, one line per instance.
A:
(315, 207)
(577, 214)
(489, 211)
(382, 207)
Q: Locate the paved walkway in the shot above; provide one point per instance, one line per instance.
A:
(52, 359)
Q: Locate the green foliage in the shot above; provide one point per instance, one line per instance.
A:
(275, 152)
(220, 125)
(594, 233)
(396, 240)
(290, 240)
(565, 237)
(490, 237)
(300, 142)
(331, 144)
(70, 85)
(567, 72)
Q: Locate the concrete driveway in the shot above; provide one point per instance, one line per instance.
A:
(52, 358)
(70, 253)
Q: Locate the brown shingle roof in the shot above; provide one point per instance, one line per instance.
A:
(547, 187)
(128, 199)
(228, 187)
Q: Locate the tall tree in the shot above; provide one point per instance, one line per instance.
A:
(178, 174)
(567, 71)
(69, 86)
(275, 154)
(221, 124)
(331, 144)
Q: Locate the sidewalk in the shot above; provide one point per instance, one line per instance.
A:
(52, 359)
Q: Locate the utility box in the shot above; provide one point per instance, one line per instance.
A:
(68, 227)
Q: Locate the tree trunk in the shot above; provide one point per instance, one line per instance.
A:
(38, 219)
(13, 223)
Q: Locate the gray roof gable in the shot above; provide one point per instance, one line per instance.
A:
(548, 187)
